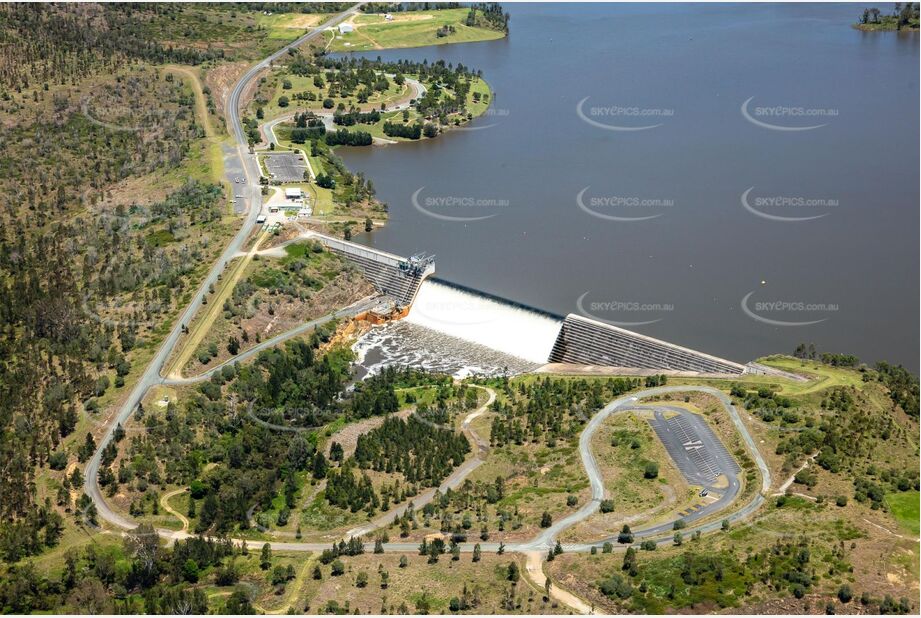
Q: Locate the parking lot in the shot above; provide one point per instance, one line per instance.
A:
(285, 166)
(692, 445)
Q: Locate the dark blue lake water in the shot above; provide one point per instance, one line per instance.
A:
(618, 175)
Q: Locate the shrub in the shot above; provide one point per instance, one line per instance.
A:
(616, 587)
(58, 460)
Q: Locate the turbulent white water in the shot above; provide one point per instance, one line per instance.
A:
(403, 344)
(504, 327)
(449, 330)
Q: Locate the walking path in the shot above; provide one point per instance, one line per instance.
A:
(534, 569)
(164, 502)
(533, 548)
(481, 448)
(786, 484)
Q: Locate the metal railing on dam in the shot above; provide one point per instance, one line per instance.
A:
(392, 275)
(583, 341)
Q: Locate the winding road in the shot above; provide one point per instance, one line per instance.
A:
(545, 540)
(151, 375)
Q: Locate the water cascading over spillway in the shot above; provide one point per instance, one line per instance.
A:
(506, 327)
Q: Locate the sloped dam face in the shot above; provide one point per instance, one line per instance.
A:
(453, 330)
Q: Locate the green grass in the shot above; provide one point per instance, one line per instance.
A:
(283, 28)
(413, 29)
(159, 238)
(304, 84)
(904, 507)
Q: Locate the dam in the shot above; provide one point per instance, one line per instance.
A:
(440, 315)
(393, 276)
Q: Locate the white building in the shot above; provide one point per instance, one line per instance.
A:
(345, 28)
(293, 193)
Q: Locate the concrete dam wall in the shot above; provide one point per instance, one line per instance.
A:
(583, 341)
(503, 325)
(391, 275)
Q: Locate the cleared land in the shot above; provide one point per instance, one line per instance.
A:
(905, 509)
(410, 29)
(274, 295)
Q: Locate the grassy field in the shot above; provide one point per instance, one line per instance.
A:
(622, 447)
(904, 507)
(660, 587)
(478, 101)
(425, 588)
(410, 29)
(305, 85)
(538, 479)
(282, 28)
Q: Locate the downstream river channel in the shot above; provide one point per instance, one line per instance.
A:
(735, 179)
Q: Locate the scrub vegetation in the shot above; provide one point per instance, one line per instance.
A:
(117, 207)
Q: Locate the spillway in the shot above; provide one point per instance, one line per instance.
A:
(504, 326)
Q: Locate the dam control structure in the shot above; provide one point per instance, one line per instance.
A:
(393, 276)
(536, 336)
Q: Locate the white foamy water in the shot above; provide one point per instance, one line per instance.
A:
(504, 327)
(403, 344)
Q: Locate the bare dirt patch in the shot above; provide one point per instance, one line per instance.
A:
(221, 80)
(348, 435)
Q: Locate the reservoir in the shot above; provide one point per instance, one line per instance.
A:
(734, 179)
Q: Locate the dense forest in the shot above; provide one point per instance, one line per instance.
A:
(49, 43)
(548, 410)
(86, 277)
(139, 576)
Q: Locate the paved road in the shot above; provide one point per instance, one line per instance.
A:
(454, 480)
(268, 129)
(351, 311)
(548, 537)
(151, 375)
